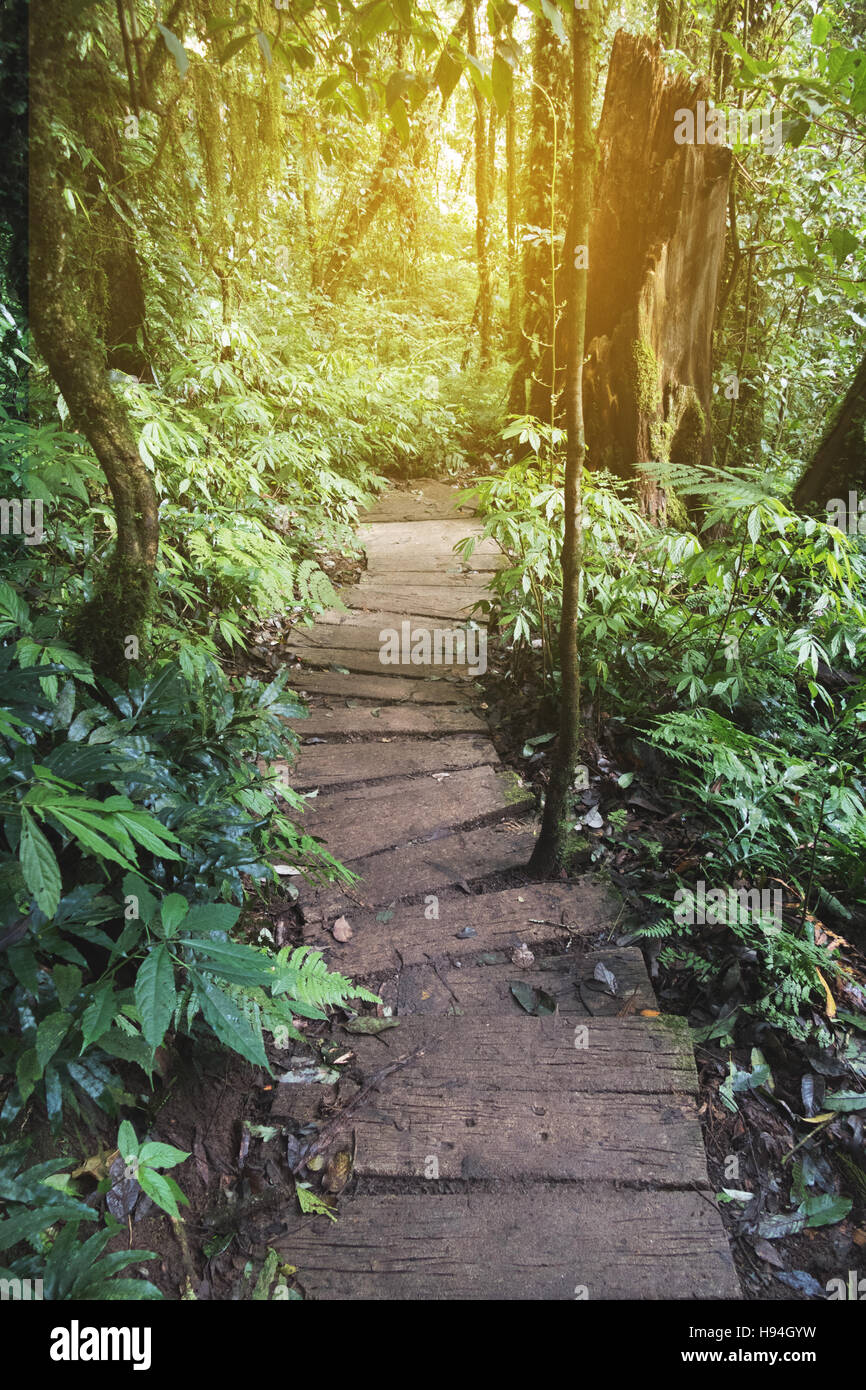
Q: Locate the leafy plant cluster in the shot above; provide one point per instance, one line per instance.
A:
(127, 813)
(731, 643)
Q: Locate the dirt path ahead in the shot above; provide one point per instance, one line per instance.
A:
(518, 1156)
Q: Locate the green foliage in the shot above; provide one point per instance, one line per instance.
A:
(719, 644)
(42, 1222)
(126, 820)
(144, 1163)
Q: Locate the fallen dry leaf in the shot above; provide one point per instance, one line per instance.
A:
(831, 1002)
(341, 930)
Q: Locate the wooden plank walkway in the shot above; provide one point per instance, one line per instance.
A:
(553, 1154)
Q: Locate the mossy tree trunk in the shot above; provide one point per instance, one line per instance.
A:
(551, 845)
(839, 466)
(655, 254)
(62, 321)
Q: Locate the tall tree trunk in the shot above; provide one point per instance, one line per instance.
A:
(551, 844)
(839, 466)
(655, 254)
(511, 231)
(364, 210)
(482, 203)
(668, 22)
(64, 333)
(537, 378)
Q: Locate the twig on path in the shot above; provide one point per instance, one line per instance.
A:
(331, 1128)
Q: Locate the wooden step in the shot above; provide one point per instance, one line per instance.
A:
(378, 618)
(367, 635)
(451, 601)
(427, 499)
(540, 914)
(322, 654)
(336, 764)
(544, 1242)
(382, 689)
(336, 720)
(497, 1096)
(422, 869)
(567, 981)
(356, 821)
(425, 546)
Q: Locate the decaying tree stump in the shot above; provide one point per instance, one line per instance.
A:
(840, 463)
(655, 253)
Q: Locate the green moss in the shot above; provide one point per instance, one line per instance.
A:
(688, 442)
(645, 377)
(118, 609)
(512, 787)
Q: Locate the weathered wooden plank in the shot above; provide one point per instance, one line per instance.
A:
(379, 688)
(501, 1097)
(338, 721)
(539, 1243)
(378, 618)
(376, 634)
(428, 499)
(443, 575)
(335, 764)
(422, 545)
(497, 921)
(567, 980)
(355, 821)
(453, 601)
(421, 869)
(369, 662)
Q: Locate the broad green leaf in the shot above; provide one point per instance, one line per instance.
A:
(162, 1190)
(210, 917)
(97, 1017)
(174, 909)
(155, 994)
(127, 1141)
(39, 865)
(502, 79)
(27, 1073)
(67, 982)
(161, 1155)
(49, 1035)
(845, 1101)
(229, 1022)
(553, 15)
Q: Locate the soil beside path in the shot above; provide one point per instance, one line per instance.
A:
(518, 1155)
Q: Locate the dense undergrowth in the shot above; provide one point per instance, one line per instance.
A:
(733, 649)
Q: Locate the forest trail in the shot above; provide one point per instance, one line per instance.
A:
(515, 1156)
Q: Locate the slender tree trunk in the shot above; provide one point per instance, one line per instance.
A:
(551, 845)
(482, 203)
(668, 22)
(511, 232)
(537, 379)
(62, 328)
(363, 211)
